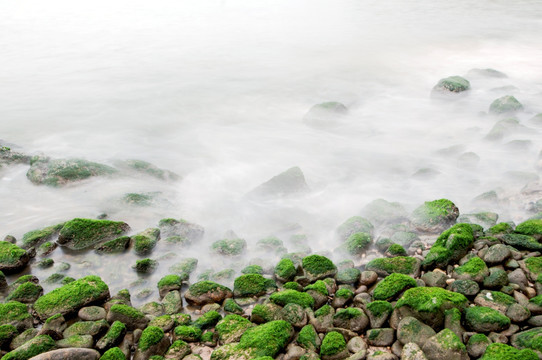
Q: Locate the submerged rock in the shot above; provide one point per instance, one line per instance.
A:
(79, 234)
(505, 104)
(65, 171)
(146, 168)
(325, 114)
(452, 84)
(287, 183)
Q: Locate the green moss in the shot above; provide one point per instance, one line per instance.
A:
(398, 264)
(318, 264)
(232, 325)
(501, 228)
(137, 199)
(113, 354)
(537, 300)
(46, 248)
(127, 311)
(223, 275)
(84, 233)
(344, 293)
(434, 212)
(430, 299)
(531, 338)
(145, 265)
(62, 171)
(152, 335)
(323, 311)
(285, 269)
(170, 280)
(46, 263)
(116, 245)
(451, 245)
(534, 265)
(26, 292)
(146, 241)
(267, 339)
(473, 266)
(505, 104)
(332, 344)
(249, 285)
(203, 287)
(478, 339)
(319, 286)
(396, 250)
(33, 347)
(188, 333)
(7, 333)
(37, 237)
(307, 337)
(185, 267)
(498, 351)
(229, 247)
(357, 243)
(530, 227)
(379, 307)
(454, 84)
(292, 285)
(392, 285)
(208, 320)
(355, 224)
(348, 276)
(348, 313)
(252, 269)
(448, 340)
(291, 296)
(72, 296)
(10, 253)
(230, 306)
(481, 314)
(13, 311)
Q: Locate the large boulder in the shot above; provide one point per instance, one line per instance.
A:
(206, 292)
(451, 245)
(287, 183)
(12, 257)
(452, 84)
(79, 234)
(64, 171)
(434, 216)
(505, 104)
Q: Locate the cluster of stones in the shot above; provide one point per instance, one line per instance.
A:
(474, 293)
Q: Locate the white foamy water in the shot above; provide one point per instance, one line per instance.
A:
(216, 91)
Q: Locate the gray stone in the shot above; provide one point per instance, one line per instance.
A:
(413, 330)
(411, 351)
(71, 353)
(381, 337)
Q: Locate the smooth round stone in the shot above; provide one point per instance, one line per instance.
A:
(91, 313)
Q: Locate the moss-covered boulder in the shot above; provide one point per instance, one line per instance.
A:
(16, 314)
(187, 333)
(400, 264)
(451, 245)
(288, 183)
(152, 342)
(428, 304)
(292, 296)
(521, 242)
(61, 172)
(348, 276)
(71, 297)
(410, 329)
(308, 338)
(485, 319)
(530, 227)
(12, 257)
(206, 292)
(7, 333)
(76, 341)
(498, 351)
(434, 216)
(285, 270)
(318, 267)
(262, 313)
(505, 104)
(35, 238)
(333, 346)
(392, 286)
(231, 328)
(378, 312)
(357, 243)
(528, 339)
(353, 225)
(145, 241)
(117, 245)
(27, 293)
(445, 345)
(184, 267)
(351, 318)
(178, 350)
(474, 269)
(31, 348)
(113, 337)
(532, 266)
(249, 285)
(452, 84)
(381, 211)
(229, 247)
(169, 283)
(79, 234)
(92, 328)
(131, 317)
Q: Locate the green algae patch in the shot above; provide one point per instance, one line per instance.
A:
(151, 336)
(455, 84)
(229, 247)
(451, 245)
(64, 171)
(434, 216)
(37, 237)
(204, 292)
(204, 287)
(252, 269)
(292, 297)
(145, 241)
(319, 286)
(530, 227)
(332, 344)
(113, 354)
(27, 292)
(31, 348)
(474, 269)
(267, 339)
(392, 285)
(501, 229)
(498, 351)
(231, 328)
(485, 319)
(318, 267)
(78, 234)
(357, 243)
(505, 104)
(249, 285)
(71, 297)
(285, 270)
(400, 264)
(208, 320)
(10, 255)
(534, 265)
(307, 338)
(531, 339)
(14, 313)
(379, 307)
(188, 333)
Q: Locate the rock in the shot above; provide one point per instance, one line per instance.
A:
(354, 225)
(290, 182)
(285, 270)
(505, 104)
(489, 73)
(333, 347)
(79, 234)
(445, 346)
(434, 279)
(113, 337)
(153, 341)
(146, 168)
(231, 328)
(380, 337)
(504, 352)
(117, 245)
(206, 292)
(35, 238)
(178, 350)
(351, 318)
(497, 254)
(145, 241)
(117, 354)
(378, 312)
(61, 172)
(477, 345)
(484, 319)
(452, 84)
(434, 216)
(400, 264)
(172, 302)
(229, 247)
(497, 278)
(357, 243)
(190, 232)
(381, 355)
(131, 317)
(327, 114)
(465, 287)
(292, 297)
(411, 351)
(145, 266)
(520, 241)
(76, 341)
(23, 337)
(318, 267)
(411, 330)
(92, 328)
(71, 297)
(33, 347)
(91, 313)
(27, 293)
(495, 300)
(392, 285)
(169, 283)
(249, 285)
(71, 353)
(451, 245)
(12, 258)
(381, 211)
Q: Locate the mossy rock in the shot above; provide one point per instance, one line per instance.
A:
(327, 114)
(270, 244)
(485, 319)
(445, 345)
(520, 241)
(169, 283)
(357, 243)
(333, 345)
(35, 238)
(249, 285)
(113, 337)
(178, 350)
(61, 172)
(113, 354)
(392, 285)
(33, 347)
(528, 339)
(308, 338)
(318, 267)
(12, 257)
(288, 183)
(185, 267)
(206, 292)
(355, 224)
(138, 199)
(71, 297)
(396, 250)
(93, 328)
(292, 296)
(505, 104)
(452, 84)
(116, 245)
(428, 304)
(145, 266)
(498, 351)
(474, 269)
(16, 314)
(451, 245)
(27, 293)
(262, 313)
(252, 269)
(378, 312)
(465, 287)
(76, 341)
(145, 241)
(229, 247)
(285, 270)
(351, 318)
(532, 266)
(231, 328)
(530, 227)
(208, 320)
(146, 168)
(183, 229)
(79, 234)
(151, 336)
(188, 333)
(267, 339)
(46, 248)
(434, 216)
(382, 211)
(348, 276)
(501, 229)
(400, 264)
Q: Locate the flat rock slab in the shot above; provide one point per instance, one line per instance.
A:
(69, 353)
